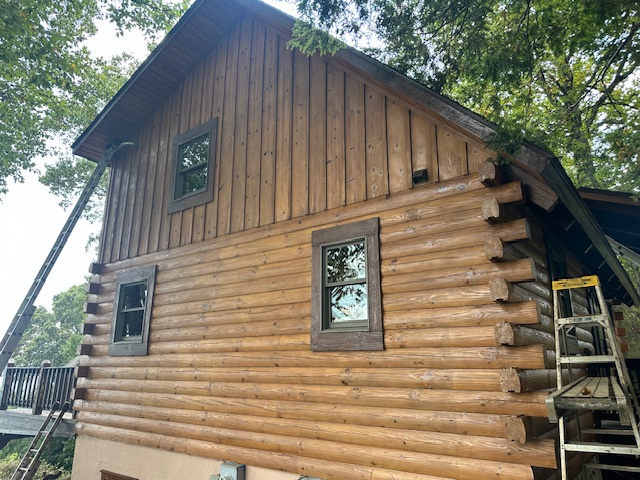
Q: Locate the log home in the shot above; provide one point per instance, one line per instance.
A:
(309, 267)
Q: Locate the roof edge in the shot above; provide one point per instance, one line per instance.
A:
(558, 179)
(177, 28)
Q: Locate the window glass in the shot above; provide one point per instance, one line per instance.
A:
(346, 283)
(193, 159)
(132, 312)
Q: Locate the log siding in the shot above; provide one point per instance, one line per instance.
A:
(230, 373)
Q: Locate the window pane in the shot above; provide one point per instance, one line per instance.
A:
(348, 303)
(133, 296)
(194, 152)
(131, 324)
(192, 181)
(347, 262)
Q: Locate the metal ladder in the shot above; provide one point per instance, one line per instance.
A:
(26, 310)
(607, 388)
(31, 461)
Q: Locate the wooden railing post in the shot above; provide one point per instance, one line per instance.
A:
(41, 386)
(7, 387)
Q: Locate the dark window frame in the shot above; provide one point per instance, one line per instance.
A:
(194, 199)
(353, 337)
(139, 346)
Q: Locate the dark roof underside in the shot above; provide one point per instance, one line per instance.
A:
(189, 41)
(617, 213)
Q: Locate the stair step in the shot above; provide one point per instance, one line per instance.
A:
(578, 359)
(606, 431)
(617, 468)
(595, 447)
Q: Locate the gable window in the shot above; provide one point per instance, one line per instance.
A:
(193, 167)
(132, 312)
(346, 304)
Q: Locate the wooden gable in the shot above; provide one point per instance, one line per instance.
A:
(297, 135)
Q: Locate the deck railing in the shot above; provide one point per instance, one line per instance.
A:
(37, 388)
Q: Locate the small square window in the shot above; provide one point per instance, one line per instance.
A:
(346, 305)
(132, 312)
(193, 168)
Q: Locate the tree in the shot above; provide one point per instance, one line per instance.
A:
(56, 335)
(50, 86)
(562, 72)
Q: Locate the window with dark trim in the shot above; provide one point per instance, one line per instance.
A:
(132, 312)
(346, 309)
(194, 154)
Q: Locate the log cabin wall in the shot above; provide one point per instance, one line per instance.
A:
(296, 136)
(458, 392)
(230, 373)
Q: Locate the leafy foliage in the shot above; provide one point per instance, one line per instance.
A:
(11, 454)
(50, 86)
(564, 72)
(54, 336)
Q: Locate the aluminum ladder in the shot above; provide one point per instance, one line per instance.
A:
(607, 388)
(26, 310)
(31, 461)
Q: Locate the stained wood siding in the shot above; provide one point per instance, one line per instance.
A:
(230, 373)
(296, 135)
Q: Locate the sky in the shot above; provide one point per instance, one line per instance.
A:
(31, 219)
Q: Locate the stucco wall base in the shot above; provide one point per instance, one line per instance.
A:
(93, 455)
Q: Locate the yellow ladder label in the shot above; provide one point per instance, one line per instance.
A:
(581, 282)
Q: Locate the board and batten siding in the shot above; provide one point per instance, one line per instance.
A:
(296, 136)
(230, 373)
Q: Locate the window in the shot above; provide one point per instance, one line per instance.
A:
(132, 312)
(104, 475)
(193, 168)
(346, 304)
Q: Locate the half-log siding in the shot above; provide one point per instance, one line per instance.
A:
(297, 135)
(230, 373)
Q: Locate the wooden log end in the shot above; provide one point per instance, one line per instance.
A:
(85, 349)
(88, 328)
(500, 289)
(90, 308)
(516, 429)
(490, 210)
(82, 371)
(490, 174)
(96, 268)
(494, 249)
(504, 333)
(93, 288)
(79, 394)
(510, 381)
